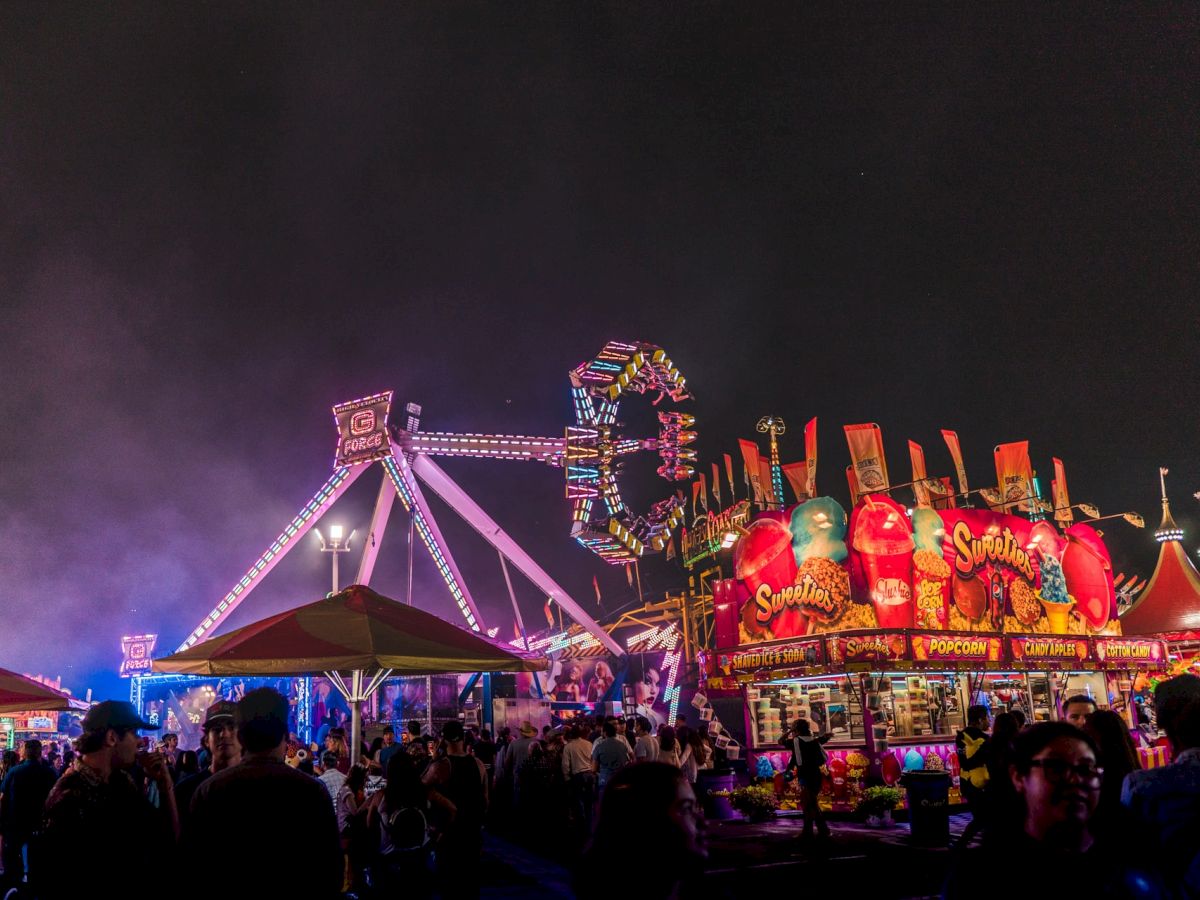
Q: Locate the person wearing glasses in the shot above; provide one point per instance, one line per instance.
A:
(1047, 835)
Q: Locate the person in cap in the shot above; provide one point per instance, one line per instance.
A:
(96, 817)
(258, 807)
(23, 792)
(220, 739)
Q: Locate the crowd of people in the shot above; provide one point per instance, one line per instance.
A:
(1065, 803)
(407, 815)
(1069, 807)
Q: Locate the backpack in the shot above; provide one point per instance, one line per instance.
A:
(973, 761)
(407, 828)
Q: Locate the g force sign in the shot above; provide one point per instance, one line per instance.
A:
(363, 429)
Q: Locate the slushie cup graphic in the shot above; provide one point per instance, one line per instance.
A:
(885, 542)
(764, 557)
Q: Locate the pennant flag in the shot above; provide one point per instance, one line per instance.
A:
(853, 482)
(810, 456)
(750, 457)
(695, 496)
(920, 488)
(729, 472)
(549, 614)
(946, 500)
(629, 573)
(1058, 492)
(670, 548)
(716, 484)
(1014, 476)
(764, 478)
(866, 455)
(951, 439)
(703, 491)
(516, 631)
(797, 476)
(596, 585)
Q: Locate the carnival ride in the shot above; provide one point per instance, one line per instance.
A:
(590, 454)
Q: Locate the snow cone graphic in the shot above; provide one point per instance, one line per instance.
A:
(885, 543)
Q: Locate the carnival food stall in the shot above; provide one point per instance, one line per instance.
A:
(881, 628)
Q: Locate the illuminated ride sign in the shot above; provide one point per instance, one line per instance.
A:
(136, 653)
(709, 533)
(363, 429)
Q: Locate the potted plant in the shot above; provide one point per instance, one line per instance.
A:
(877, 804)
(756, 802)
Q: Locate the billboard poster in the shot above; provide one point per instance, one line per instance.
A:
(363, 429)
(811, 571)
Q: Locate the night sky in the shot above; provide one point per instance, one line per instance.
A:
(216, 221)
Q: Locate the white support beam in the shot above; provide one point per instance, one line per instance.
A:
(379, 520)
(442, 485)
(288, 538)
(431, 536)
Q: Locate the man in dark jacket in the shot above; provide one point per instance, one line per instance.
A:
(808, 763)
(972, 746)
(22, 796)
(275, 825)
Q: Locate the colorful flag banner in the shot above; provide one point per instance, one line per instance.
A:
(920, 488)
(945, 500)
(596, 585)
(853, 482)
(716, 484)
(797, 476)
(1058, 492)
(729, 473)
(768, 484)
(1014, 476)
(695, 496)
(951, 439)
(549, 614)
(750, 457)
(703, 480)
(866, 455)
(810, 456)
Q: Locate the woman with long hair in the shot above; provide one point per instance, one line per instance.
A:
(1118, 757)
(650, 800)
(668, 746)
(401, 823)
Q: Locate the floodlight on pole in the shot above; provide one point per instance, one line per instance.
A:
(334, 546)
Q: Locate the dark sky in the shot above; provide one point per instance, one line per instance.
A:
(216, 221)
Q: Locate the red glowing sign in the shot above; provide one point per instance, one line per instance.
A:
(363, 429)
(956, 648)
(136, 652)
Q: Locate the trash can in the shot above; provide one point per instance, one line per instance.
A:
(928, 807)
(716, 807)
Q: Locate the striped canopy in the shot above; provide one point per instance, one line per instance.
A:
(356, 629)
(21, 694)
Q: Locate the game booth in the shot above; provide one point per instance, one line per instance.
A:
(882, 629)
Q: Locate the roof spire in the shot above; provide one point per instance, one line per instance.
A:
(1168, 530)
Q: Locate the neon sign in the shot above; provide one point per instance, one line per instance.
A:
(707, 535)
(363, 429)
(136, 652)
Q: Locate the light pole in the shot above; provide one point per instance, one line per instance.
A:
(334, 546)
(774, 426)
